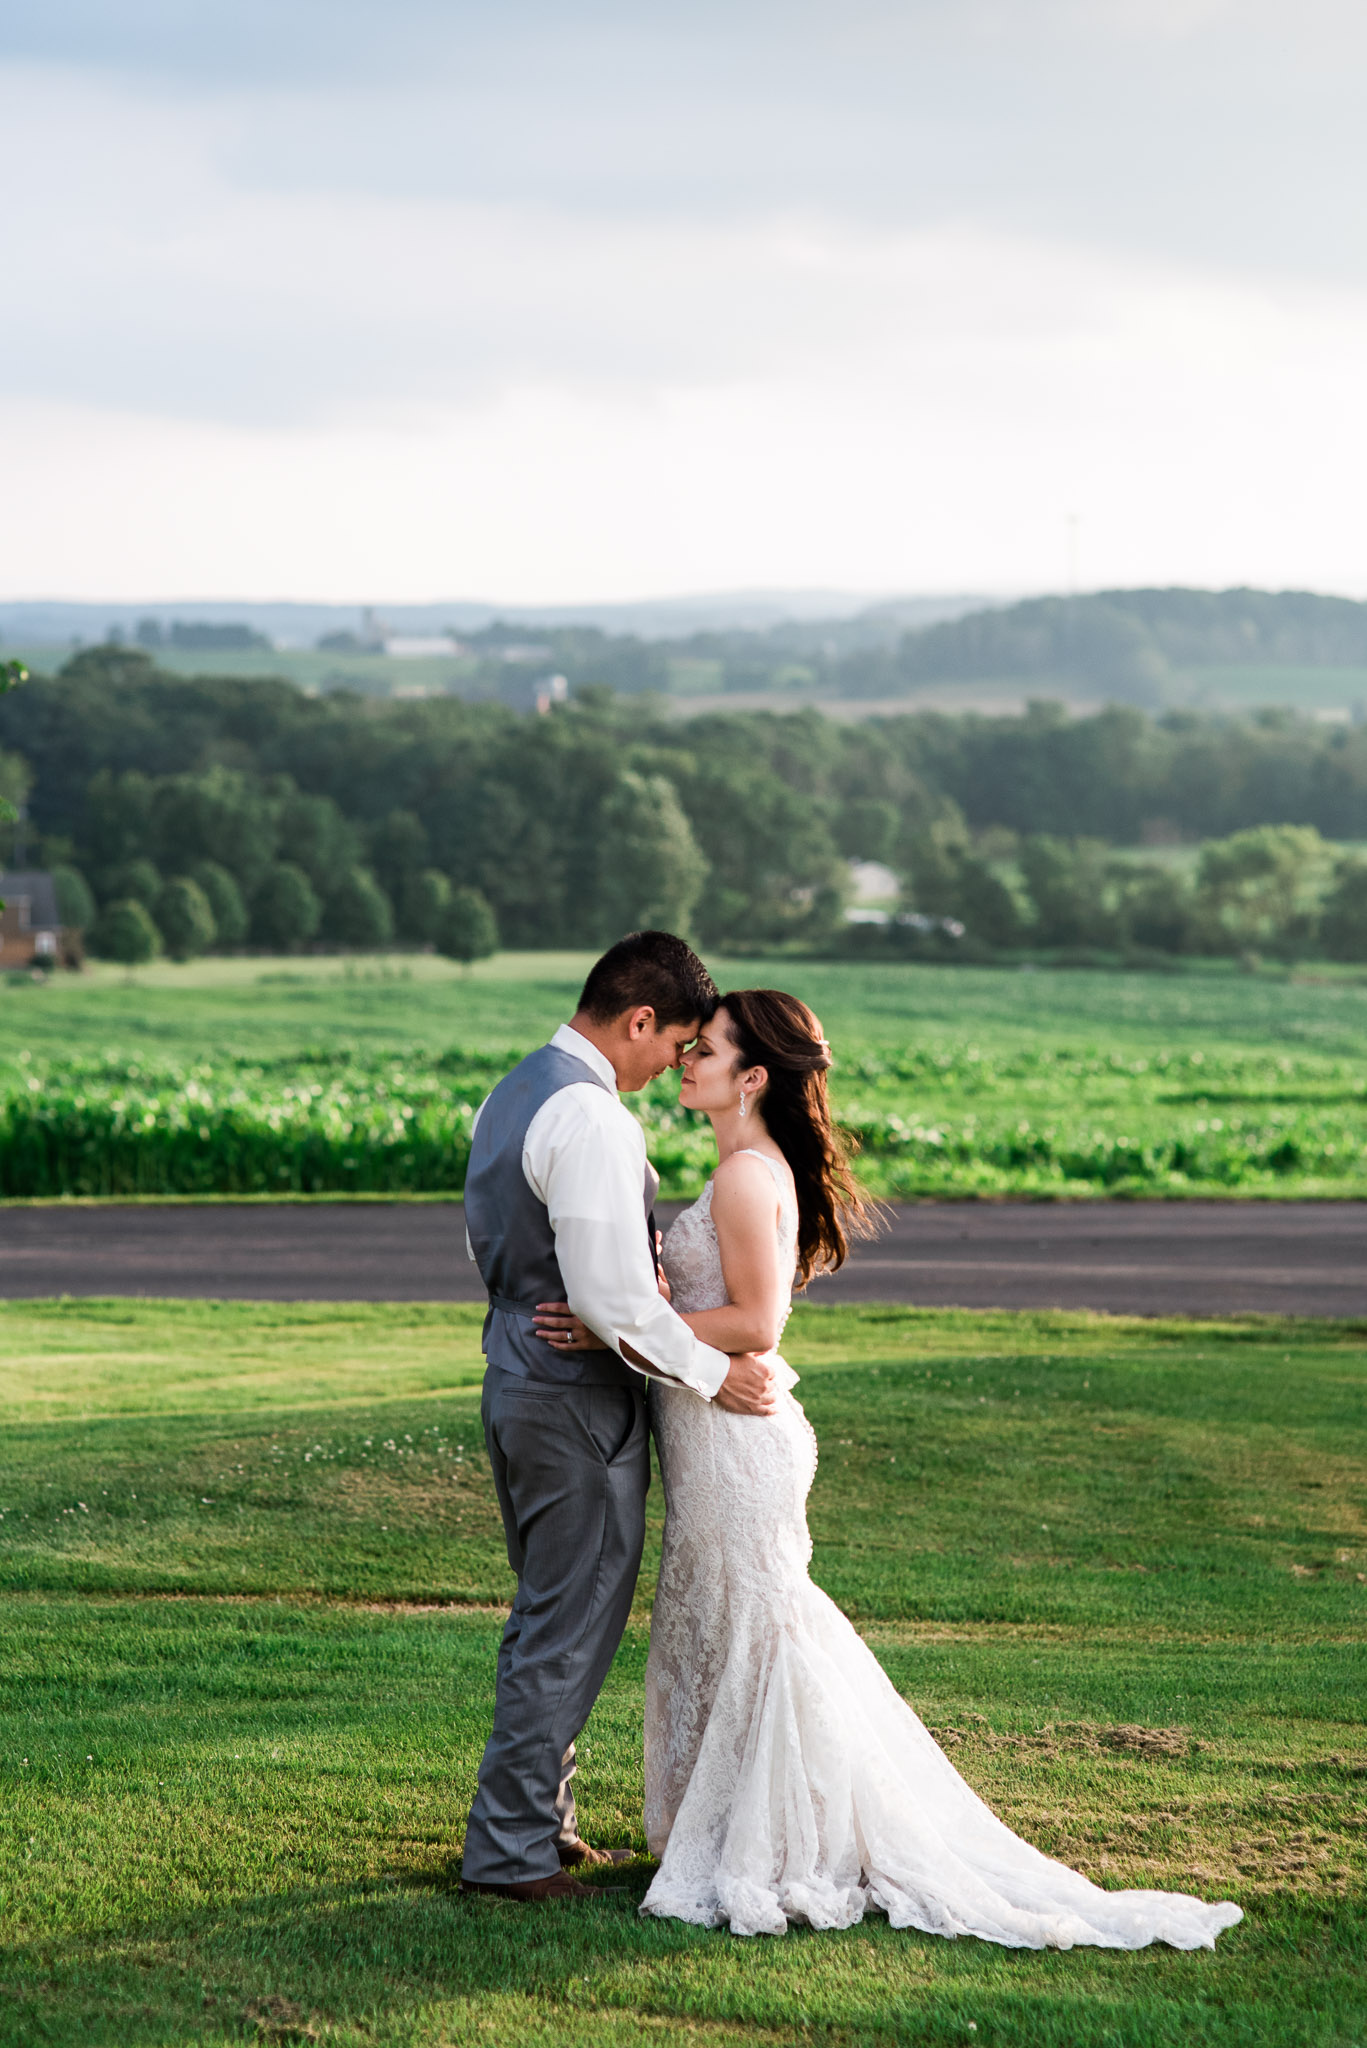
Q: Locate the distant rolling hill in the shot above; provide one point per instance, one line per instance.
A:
(1158, 649)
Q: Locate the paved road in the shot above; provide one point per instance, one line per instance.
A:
(1160, 1258)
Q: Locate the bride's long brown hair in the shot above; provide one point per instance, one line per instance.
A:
(771, 1029)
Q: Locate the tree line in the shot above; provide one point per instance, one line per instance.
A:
(1121, 645)
(1124, 646)
(1276, 889)
(238, 812)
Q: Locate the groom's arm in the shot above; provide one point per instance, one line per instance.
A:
(584, 1157)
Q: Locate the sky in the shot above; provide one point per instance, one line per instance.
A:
(369, 300)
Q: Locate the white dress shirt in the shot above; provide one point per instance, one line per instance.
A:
(584, 1156)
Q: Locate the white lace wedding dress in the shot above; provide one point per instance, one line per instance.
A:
(785, 1777)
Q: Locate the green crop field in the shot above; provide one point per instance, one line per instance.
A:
(249, 1579)
(327, 1076)
(1241, 686)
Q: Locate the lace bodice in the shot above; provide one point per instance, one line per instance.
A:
(692, 1257)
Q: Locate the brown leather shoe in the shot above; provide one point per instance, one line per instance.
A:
(560, 1886)
(573, 1855)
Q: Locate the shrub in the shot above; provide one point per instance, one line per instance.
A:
(75, 903)
(285, 909)
(356, 912)
(422, 900)
(225, 901)
(399, 850)
(1156, 910)
(1257, 888)
(312, 833)
(468, 930)
(124, 931)
(132, 880)
(185, 919)
(1068, 881)
(1343, 920)
(984, 904)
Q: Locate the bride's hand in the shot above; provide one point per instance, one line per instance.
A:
(557, 1324)
(660, 1279)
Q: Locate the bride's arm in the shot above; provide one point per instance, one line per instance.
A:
(745, 1217)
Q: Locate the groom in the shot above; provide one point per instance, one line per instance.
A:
(558, 1200)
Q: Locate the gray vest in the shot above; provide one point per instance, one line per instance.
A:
(510, 1229)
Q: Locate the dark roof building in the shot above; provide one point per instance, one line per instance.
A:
(31, 929)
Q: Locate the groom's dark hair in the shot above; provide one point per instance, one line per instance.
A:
(654, 968)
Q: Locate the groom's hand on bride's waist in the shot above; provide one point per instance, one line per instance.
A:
(557, 1325)
(750, 1387)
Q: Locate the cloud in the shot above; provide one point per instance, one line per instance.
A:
(1217, 133)
(152, 278)
(541, 301)
(1202, 436)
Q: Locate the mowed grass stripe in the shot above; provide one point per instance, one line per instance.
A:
(1114, 1564)
(258, 1809)
(1077, 1470)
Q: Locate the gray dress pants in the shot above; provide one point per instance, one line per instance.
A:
(571, 1467)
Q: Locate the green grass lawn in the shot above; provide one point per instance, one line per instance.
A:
(333, 1076)
(250, 1577)
(272, 1007)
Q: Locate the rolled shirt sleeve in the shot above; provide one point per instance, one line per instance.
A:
(584, 1156)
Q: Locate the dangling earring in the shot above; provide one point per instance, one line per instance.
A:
(742, 1102)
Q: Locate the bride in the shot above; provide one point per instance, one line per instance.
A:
(786, 1779)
